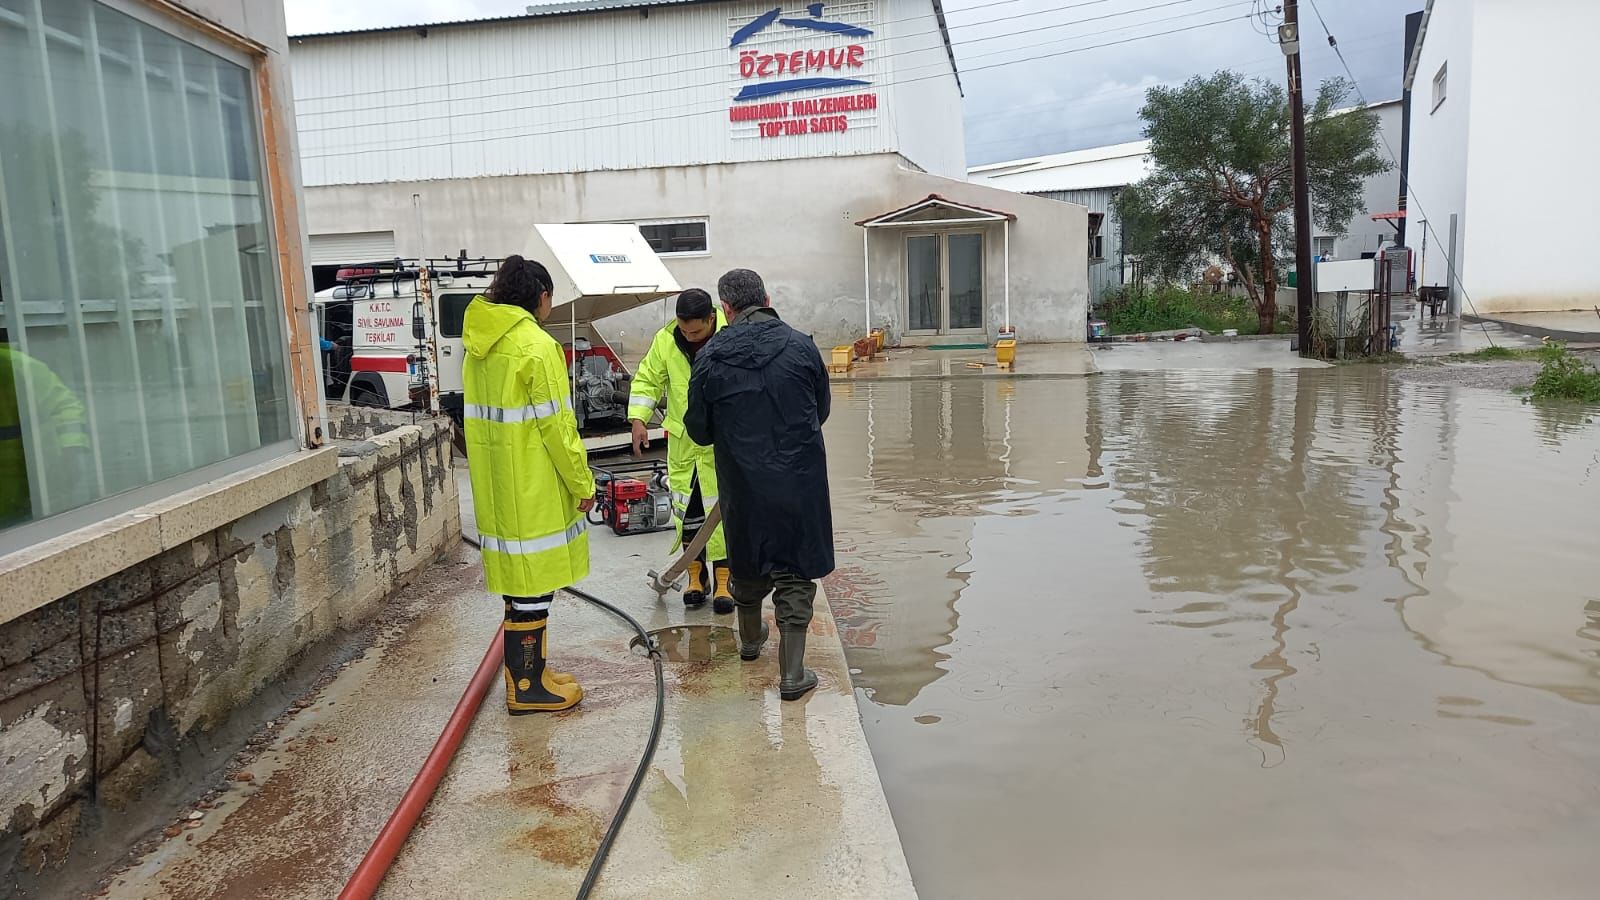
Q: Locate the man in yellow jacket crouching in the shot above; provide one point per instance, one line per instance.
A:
(531, 483)
(691, 468)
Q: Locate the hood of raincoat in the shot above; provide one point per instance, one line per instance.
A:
(487, 322)
(753, 340)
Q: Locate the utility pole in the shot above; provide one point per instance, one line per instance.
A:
(1289, 41)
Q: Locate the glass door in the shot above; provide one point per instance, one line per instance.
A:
(944, 282)
(923, 275)
(965, 282)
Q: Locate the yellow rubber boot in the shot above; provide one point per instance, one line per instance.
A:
(721, 596)
(694, 596)
(530, 686)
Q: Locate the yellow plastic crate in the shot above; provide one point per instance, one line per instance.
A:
(1005, 352)
(843, 355)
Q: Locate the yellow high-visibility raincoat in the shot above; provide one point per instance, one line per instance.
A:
(64, 430)
(664, 371)
(528, 466)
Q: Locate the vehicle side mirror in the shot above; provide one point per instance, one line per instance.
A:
(419, 328)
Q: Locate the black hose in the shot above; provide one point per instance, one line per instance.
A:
(601, 853)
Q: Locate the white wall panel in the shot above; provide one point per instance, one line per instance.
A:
(606, 90)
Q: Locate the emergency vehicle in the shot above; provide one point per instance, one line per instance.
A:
(397, 324)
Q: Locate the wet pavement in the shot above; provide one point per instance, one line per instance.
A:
(1423, 336)
(747, 795)
(1576, 325)
(1315, 633)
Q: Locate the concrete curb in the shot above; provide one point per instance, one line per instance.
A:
(1554, 334)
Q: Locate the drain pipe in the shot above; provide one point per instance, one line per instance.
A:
(381, 855)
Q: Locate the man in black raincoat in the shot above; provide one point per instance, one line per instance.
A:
(758, 395)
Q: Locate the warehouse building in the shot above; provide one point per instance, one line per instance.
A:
(820, 145)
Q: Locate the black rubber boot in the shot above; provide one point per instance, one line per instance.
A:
(753, 633)
(530, 687)
(795, 680)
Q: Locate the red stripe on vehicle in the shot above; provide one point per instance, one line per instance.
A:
(378, 364)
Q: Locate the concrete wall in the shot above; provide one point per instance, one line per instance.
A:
(101, 692)
(1531, 195)
(792, 221)
(1440, 149)
(1105, 274)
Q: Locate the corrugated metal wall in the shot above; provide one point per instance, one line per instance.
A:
(1104, 274)
(611, 90)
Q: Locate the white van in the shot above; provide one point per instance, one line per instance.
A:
(397, 323)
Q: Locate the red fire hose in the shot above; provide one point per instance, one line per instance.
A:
(375, 865)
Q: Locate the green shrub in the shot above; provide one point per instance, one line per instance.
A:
(1169, 308)
(1565, 376)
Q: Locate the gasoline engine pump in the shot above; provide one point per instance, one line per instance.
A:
(632, 498)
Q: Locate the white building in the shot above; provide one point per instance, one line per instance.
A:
(1093, 178)
(1090, 178)
(1365, 236)
(1502, 153)
(820, 145)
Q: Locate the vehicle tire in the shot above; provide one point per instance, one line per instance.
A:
(368, 392)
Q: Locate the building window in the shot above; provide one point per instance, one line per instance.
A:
(1439, 85)
(676, 237)
(1097, 241)
(141, 324)
(1322, 246)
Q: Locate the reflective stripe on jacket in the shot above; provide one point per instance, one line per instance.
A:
(665, 371)
(527, 464)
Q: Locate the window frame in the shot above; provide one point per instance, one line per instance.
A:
(231, 48)
(683, 220)
(1441, 86)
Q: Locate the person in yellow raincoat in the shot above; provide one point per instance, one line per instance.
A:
(691, 468)
(62, 434)
(531, 483)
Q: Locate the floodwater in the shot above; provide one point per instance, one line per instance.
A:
(1312, 633)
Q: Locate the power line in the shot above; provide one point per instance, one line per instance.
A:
(1405, 184)
(719, 68)
(710, 50)
(1056, 105)
(722, 104)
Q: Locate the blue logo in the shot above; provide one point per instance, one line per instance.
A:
(753, 64)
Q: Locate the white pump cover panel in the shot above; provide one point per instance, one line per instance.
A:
(598, 270)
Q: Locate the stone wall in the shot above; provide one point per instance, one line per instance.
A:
(102, 692)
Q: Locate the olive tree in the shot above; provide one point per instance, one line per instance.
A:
(1221, 188)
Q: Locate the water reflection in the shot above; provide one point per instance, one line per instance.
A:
(920, 464)
(1107, 616)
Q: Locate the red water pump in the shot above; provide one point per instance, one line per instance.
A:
(632, 498)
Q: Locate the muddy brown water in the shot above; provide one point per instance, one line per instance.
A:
(1305, 634)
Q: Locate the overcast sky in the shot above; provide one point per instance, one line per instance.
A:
(1016, 106)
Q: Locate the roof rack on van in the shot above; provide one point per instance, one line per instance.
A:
(401, 269)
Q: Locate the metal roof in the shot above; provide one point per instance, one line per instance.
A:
(1115, 165)
(581, 7)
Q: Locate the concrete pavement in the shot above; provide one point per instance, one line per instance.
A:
(746, 796)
